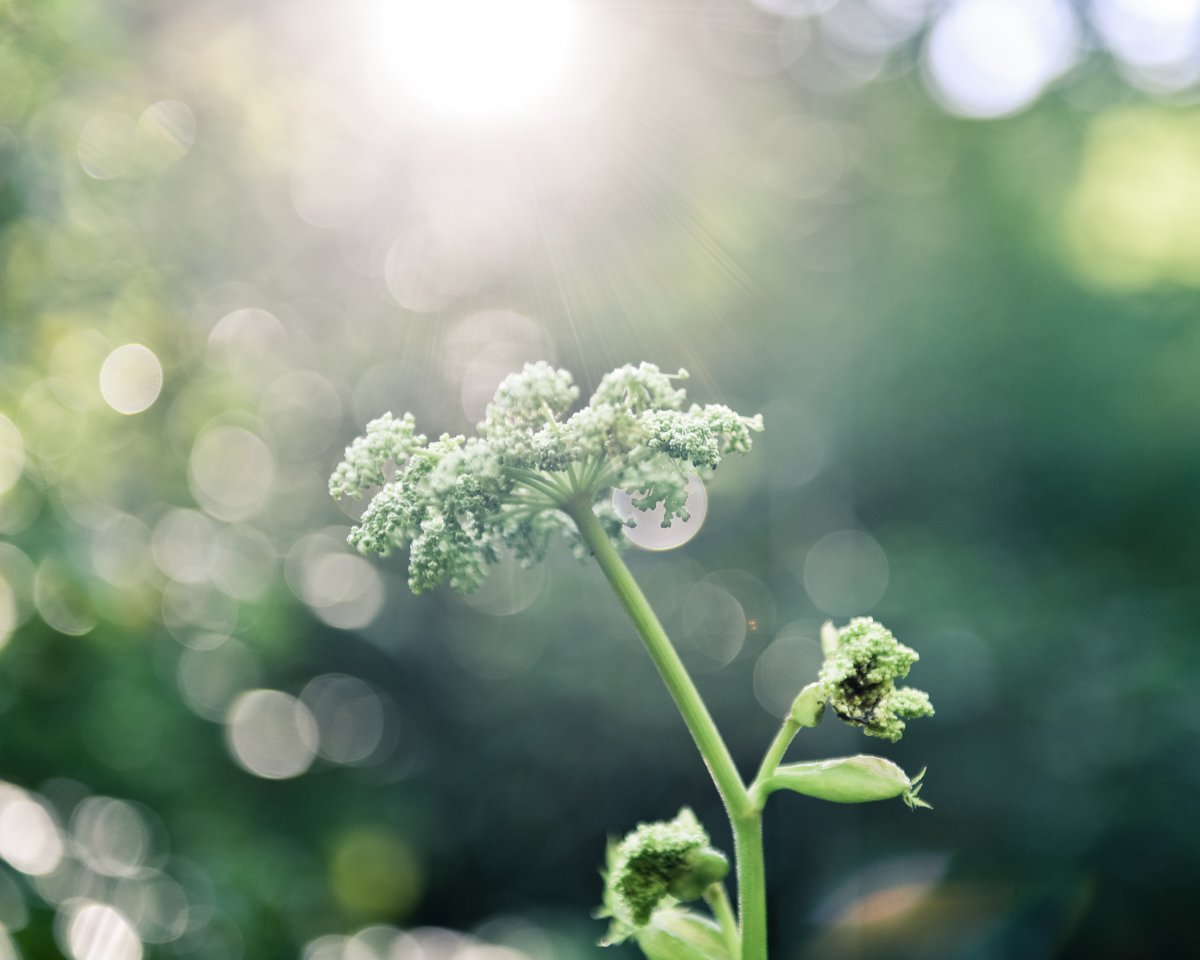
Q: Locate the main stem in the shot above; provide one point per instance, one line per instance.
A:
(743, 814)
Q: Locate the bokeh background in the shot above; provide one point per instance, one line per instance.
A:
(950, 249)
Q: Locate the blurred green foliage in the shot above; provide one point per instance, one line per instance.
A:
(975, 345)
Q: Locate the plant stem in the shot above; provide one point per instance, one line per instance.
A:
(744, 815)
(670, 667)
(770, 762)
(718, 902)
(752, 884)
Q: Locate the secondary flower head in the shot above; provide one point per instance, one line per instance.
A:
(659, 864)
(863, 661)
(459, 504)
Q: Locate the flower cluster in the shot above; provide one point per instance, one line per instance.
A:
(863, 661)
(459, 504)
(659, 864)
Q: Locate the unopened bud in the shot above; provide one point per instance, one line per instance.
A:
(809, 706)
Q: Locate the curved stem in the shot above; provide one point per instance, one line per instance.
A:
(773, 756)
(670, 667)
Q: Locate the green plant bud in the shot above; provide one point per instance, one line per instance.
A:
(858, 779)
(660, 862)
(863, 661)
(701, 869)
(809, 705)
(682, 935)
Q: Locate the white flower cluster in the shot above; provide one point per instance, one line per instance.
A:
(458, 504)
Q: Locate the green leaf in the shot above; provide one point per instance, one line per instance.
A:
(675, 934)
(858, 779)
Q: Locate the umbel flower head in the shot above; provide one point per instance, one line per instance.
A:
(863, 661)
(459, 504)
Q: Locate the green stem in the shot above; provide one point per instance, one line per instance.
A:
(718, 902)
(752, 884)
(771, 759)
(670, 667)
(744, 816)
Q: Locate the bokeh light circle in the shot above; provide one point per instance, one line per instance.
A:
(846, 573)
(97, 931)
(131, 378)
(993, 58)
(649, 533)
(271, 734)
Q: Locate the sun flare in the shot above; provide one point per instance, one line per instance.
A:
(478, 60)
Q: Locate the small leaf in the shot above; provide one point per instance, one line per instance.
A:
(676, 934)
(858, 779)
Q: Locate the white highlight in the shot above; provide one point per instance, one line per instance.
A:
(100, 932)
(477, 60)
(649, 533)
(131, 378)
(993, 58)
(271, 734)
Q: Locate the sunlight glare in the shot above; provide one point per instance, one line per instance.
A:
(477, 60)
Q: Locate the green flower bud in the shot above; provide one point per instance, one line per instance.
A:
(660, 860)
(701, 869)
(859, 779)
(862, 663)
(809, 706)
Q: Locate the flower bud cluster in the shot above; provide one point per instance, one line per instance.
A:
(863, 661)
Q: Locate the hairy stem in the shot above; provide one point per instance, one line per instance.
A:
(771, 759)
(743, 814)
(752, 884)
(718, 902)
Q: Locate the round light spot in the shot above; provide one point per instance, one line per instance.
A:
(243, 562)
(29, 838)
(97, 931)
(246, 339)
(166, 131)
(120, 551)
(12, 454)
(846, 573)
(993, 58)
(131, 378)
(508, 589)
(182, 545)
(649, 533)
(343, 590)
(60, 599)
(8, 612)
(713, 622)
(111, 836)
(156, 905)
(349, 715)
(230, 472)
(107, 146)
(271, 734)
(18, 573)
(791, 661)
(213, 674)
